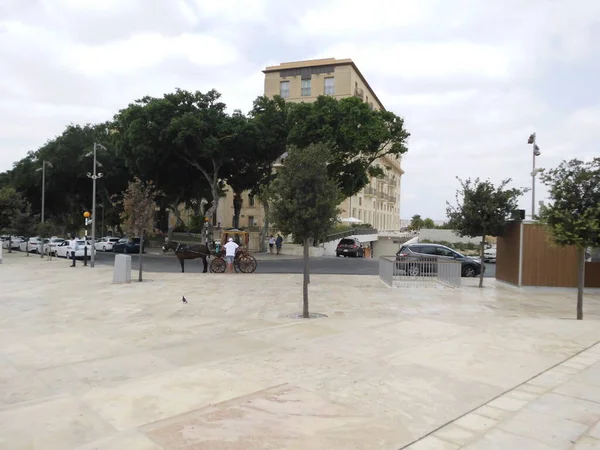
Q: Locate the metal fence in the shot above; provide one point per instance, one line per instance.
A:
(432, 272)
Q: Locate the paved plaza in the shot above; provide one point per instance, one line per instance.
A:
(85, 364)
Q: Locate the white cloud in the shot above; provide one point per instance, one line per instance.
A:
(342, 17)
(472, 79)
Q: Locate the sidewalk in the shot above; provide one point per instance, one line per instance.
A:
(86, 364)
(559, 409)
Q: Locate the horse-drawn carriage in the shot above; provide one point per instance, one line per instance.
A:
(243, 262)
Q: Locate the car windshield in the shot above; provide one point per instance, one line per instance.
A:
(122, 241)
(346, 242)
(113, 240)
(81, 242)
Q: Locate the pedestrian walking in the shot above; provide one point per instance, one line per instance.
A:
(271, 243)
(230, 249)
(73, 246)
(278, 243)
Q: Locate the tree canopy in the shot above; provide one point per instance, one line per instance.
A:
(356, 134)
(482, 209)
(573, 215)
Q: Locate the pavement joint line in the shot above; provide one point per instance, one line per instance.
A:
(498, 396)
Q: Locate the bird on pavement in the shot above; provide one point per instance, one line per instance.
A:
(183, 299)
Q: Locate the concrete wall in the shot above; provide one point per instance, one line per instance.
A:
(445, 235)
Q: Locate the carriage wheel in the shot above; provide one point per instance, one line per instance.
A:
(253, 263)
(218, 265)
(245, 264)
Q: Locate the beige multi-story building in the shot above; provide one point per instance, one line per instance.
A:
(303, 81)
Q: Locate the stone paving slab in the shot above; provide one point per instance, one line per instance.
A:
(551, 416)
(85, 364)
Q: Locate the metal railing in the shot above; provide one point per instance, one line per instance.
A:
(429, 272)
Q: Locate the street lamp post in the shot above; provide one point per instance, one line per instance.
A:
(43, 169)
(534, 171)
(94, 177)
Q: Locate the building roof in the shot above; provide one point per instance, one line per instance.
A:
(324, 62)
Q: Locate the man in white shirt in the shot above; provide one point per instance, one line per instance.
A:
(73, 246)
(230, 249)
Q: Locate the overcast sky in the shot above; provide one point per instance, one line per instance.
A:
(472, 78)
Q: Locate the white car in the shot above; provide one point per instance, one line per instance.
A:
(489, 255)
(106, 244)
(54, 243)
(29, 244)
(63, 250)
(14, 242)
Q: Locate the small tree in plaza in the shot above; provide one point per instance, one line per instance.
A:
(573, 217)
(482, 210)
(304, 201)
(139, 206)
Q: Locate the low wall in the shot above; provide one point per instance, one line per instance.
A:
(298, 250)
(446, 235)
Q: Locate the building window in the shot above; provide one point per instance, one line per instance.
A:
(305, 88)
(251, 200)
(329, 86)
(284, 89)
(359, 201)
(251, 221)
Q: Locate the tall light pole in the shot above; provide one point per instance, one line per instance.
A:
(94, 177)
(43, 169)
(534, 171)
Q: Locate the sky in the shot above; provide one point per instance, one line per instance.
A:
(472, 79)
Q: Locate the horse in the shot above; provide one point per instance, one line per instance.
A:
(184, 252)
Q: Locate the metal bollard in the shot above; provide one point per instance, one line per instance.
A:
(85, 255)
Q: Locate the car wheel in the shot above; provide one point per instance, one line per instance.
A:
(468, 272)
(104, 248)
(414, 271)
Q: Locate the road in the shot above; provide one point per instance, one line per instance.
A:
(325, 265)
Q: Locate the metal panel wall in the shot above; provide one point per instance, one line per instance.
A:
(544, 263)
(507, 254)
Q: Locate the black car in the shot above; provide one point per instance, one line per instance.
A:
(126, 245)
(350, 247)
(415, 259)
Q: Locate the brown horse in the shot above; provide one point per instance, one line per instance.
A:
(184, 252)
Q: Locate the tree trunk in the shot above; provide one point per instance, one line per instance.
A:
(481, 250)
(580, 282)
(141, 253)
(237, 209)
(265, 229)
(306, 280)
(207, 229)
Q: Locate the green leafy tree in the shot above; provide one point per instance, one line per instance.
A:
(24, 223)
(11, 202)
(139, 206)
(573, 216)
(190, 126)
(482, 210)
(416, 222)
(304, 201)
(428, 223)
(357, 135)
(256, 142)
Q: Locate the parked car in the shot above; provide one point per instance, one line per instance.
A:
(350, 247)
(14, 242)
(415, 259)
(106, 244)
(63, 250)
(54, 243)
(29, 244)
(489, 255)
(36, 245)
(126, 245)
